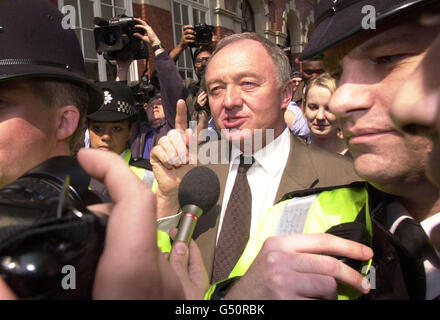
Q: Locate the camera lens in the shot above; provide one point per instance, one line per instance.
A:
(110, 39)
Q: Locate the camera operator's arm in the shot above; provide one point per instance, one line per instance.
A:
(171, 83)
(189, 36)
(122, 68)
(131, 265)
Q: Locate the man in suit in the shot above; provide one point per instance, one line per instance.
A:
(403, 205)
(249, 86)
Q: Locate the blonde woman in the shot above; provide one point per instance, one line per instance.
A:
(324, 128)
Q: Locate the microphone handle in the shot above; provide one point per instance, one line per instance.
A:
(190, 214)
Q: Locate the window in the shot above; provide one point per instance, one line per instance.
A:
(248, 24)
(96, 66)
(188, 12)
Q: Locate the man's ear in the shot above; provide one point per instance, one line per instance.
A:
(286, 94)
(68, 120)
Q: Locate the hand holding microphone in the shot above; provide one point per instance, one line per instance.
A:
(198, 193)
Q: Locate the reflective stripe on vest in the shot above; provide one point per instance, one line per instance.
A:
(310, 214)
(139, 172)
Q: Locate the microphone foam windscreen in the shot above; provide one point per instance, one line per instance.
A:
(200, 187)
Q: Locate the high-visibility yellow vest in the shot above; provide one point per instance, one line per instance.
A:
(314, 213)
(137, 170)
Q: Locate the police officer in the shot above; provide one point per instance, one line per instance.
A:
(44, 95)
(111, 127)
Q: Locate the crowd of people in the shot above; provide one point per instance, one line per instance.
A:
(331, 175)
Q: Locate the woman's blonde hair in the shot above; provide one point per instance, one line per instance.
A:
(324, 80)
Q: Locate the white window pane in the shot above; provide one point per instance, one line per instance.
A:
(120, 11)
(107, 12)
(89, 44)
(178, 32)
(188, 59)
(120, 3)
(181, 61)
(196, 16)
(87, 14)
(185, 15)
(176, 8)
(92, 71)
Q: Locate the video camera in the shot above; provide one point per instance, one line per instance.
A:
(203, 34)
(44, 227)
(115, 39)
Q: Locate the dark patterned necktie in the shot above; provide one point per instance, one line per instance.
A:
(236, 224)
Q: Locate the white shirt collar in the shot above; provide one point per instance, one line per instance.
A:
(269, 157)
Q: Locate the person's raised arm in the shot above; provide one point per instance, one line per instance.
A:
(171, 83)
(188, 37)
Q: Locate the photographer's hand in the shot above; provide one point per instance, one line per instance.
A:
(150, 36)
(202, 98)
(131, 266)
(188, 37)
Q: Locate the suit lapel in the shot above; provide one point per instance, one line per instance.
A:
(205, 233)
(299, 172)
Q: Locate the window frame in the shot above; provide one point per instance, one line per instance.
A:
(191, 4)
(97, 12)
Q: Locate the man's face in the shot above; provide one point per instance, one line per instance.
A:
(27, 130)
(296, 82)
(416, 106)
(109, 136)
(372, 71)
(243, 90)
(312, 69)
(201, 62)
(155, 113)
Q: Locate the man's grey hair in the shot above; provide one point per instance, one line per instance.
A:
(278, 56)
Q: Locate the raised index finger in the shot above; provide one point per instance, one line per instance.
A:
(181, 115)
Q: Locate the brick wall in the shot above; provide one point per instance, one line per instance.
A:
(161, 22)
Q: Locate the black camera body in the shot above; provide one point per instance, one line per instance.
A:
(203, 34)
(115, 40)
(45, 228)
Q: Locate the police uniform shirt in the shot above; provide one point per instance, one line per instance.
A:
(395, 214)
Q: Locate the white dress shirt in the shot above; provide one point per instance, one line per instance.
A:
(264, 176)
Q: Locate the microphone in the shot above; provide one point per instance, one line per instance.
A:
(198, 193)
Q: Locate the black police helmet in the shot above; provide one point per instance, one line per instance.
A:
(338, 20)
(35, 44)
